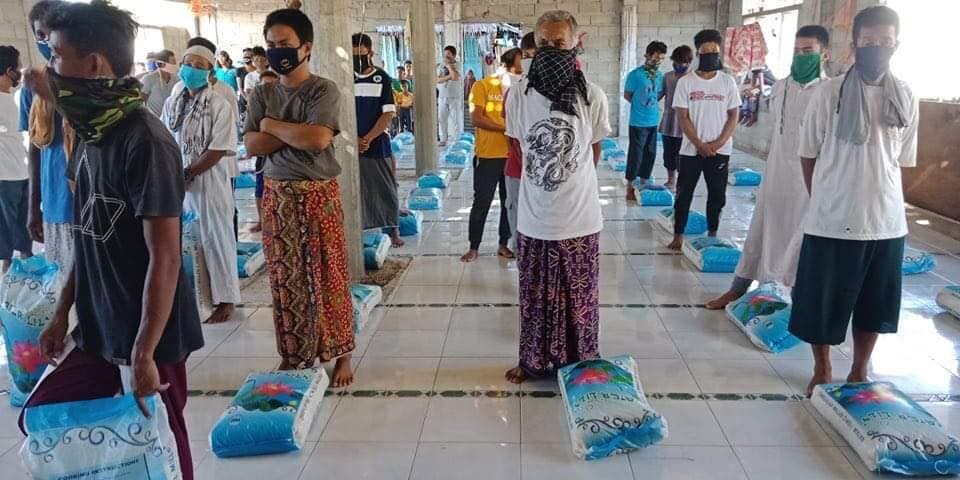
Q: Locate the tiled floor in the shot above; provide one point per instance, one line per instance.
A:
(447, 334)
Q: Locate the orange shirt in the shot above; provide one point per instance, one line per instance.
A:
(487, 94)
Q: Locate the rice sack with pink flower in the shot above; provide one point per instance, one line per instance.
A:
(607, 410)
(28, 299)
(271, 413)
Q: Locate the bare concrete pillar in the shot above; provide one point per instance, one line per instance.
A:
(629, 31)
(423, 44)
(332, 58)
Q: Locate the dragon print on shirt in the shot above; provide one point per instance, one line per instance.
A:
(551, 153)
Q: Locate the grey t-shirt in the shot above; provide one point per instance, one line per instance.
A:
(669, 125)
(314, 102)
(157, 91)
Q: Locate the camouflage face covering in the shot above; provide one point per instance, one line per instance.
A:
(94, 106)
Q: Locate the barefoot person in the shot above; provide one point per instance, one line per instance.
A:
(707, 105)
(558, 119)
(292, 123)
(856, 135)
(486, 112)
(770, 252)
(132, 301)
(644, 90)
(375, 111)
(204, 125)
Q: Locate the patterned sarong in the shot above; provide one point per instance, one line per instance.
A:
(559, 302)
(305, 249)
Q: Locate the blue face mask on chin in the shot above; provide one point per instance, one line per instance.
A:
(194, 78)
(45, 49)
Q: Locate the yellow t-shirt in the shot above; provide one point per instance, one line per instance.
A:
(487, 94)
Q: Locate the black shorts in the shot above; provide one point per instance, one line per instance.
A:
(839, 278)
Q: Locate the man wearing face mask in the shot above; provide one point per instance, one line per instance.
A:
(13, 170)
(858, 132)
(707, 105)
(158, 84)
(50, 213)
(556, 119)
(450, 86)
(644, 89)
(514, 168)
(204, 125)
(376, 109)
(132, 300)
(669, 125)
(773, 244)
(292, 123)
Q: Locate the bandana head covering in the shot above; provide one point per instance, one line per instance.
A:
(202, 52)
(554, 75)
(94, 106)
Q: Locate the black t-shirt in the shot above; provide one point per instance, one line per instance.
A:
(242, 72)
(134, 172)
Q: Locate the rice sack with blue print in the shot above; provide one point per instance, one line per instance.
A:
(616, 159)
(696, 222)
(405, 138)
(250, 259)
(271, 413)
(712, 254)
(411, 223)
(246, 180)
(744, 177)
(106, 438)
(888, 430)
(434, 179)
(607, 412)
(655, 196)
(425, 199)
(916, 261)
(764, 315)
(456, 157)
(28, 301)
(949, 299)
(376, 246)
(608, 144)
(194, 263)
(365, 299)
(468, 137)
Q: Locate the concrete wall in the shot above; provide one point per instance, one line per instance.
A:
(932, 185)
(15, 31)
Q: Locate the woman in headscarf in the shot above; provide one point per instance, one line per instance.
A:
(204, 125)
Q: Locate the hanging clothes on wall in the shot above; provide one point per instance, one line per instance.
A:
(744, 49)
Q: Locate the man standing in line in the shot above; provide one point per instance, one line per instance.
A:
(158, 84)
(558, 119)
(259, 59)
(378, 170)
(858, 132)
(450, 86)
(669, 125)
(707, 104)
(486, 112)
(772, 247)
(644, 89)
(13, 170)
(132, 300)
(50, 213)
(514, 167)
(292, 123)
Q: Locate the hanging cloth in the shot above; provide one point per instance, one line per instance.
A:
(744, 49)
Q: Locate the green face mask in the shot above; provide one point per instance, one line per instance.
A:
(806, 67)
(94, 106)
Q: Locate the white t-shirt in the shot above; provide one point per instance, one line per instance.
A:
(707, 102)
(233, 168)
(857, 192)
(13, 154)
(251, 81)
(559, 196)
(451, 88)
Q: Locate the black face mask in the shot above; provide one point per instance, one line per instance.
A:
(361, 63)
(873, 62)
(710, 62)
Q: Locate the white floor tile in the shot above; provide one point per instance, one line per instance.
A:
(799, 463)
(360, 461)
(689, 423)
(482, 343)
(228, 373)
(416, 319)
(638, 344)
(472, 419)
(715, 346)
(695, 320)
(285, 465)
(202, 414)
(492, 293)
(420, 295)
(478, 373)
(10, 463)
(737, 376)
(761, 423)
(395, 373)
(553, 461)
(467, 461)
(543, 420)
(687, 463)
(376, 420)
(665, 376)
(247, 344)
(9, 416)
(427, 343)
(434, 271)
(630, 319)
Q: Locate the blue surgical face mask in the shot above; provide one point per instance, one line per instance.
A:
(194, 78)
(45, 49)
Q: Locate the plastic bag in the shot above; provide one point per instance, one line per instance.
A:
(655, 196)
(888, 430)
(468, 137)
(28, 300)
(917, 261)
(365, 299)
(405, 138)
(102, 439)
(434, 179)
(246, 180)
(376, 246)
(744, 177)
(271, 413)
(616, 159)
(193, 261)
(607, 411)
(462, 146)
(712, 254)
(411, 223)
(608, 144)
(696, 222)
(456, 157)
(949, 299)
(764, 315)
(250, 259)
(425, 199)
